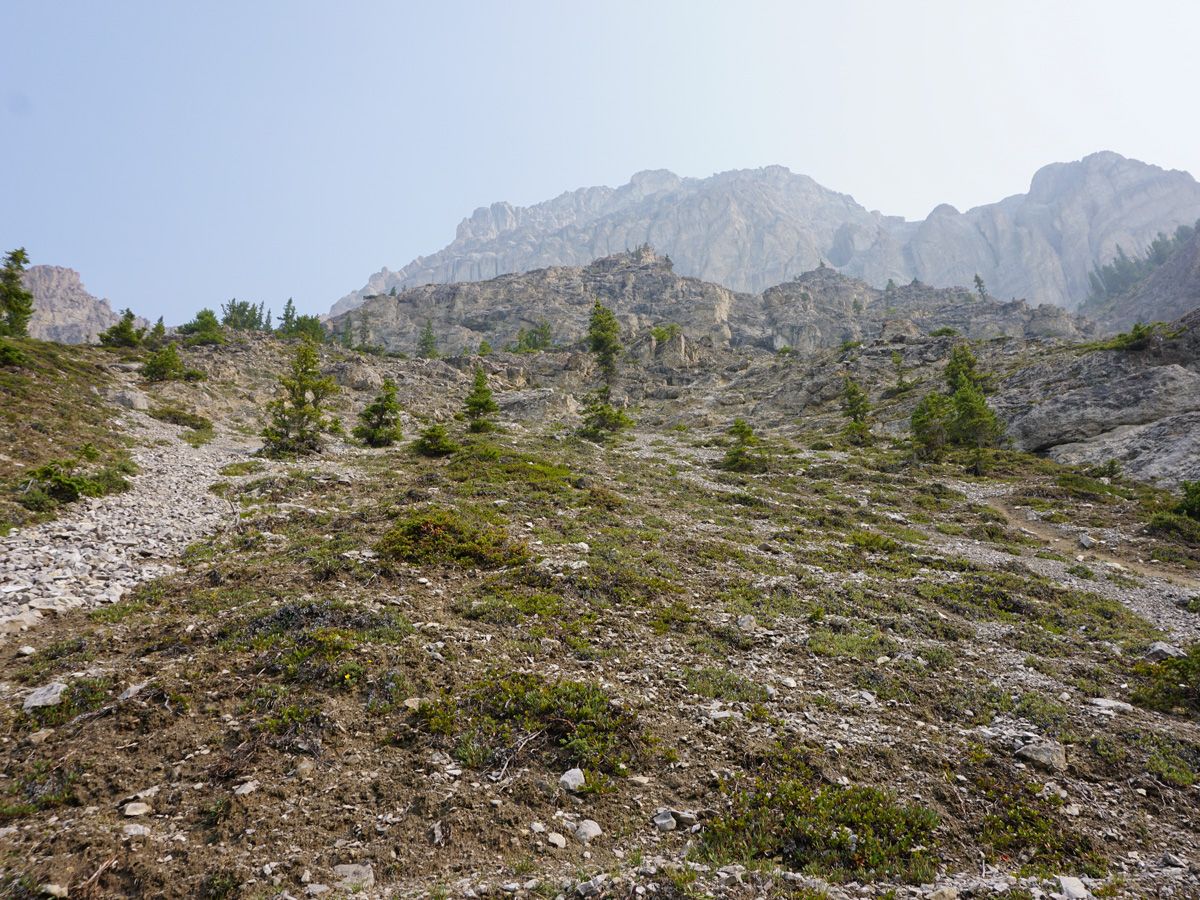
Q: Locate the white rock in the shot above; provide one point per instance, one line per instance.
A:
(137, 809)
(554, 839)
(248, 788)
(587, 831)
(572, 780)
(47, 695)
(354, 876)
(1072, 888)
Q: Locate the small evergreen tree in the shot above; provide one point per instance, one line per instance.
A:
(857, 409)
(602, 420)
(485, 349)
(435, 441)
(287, 322)
(123, 333)
(204, 329)
(308, 328)
(741, 456)
(427, 343)
(1190, 504)
(16, 303)
(604, 339)
(980, 288)
(479, 404)
(974, 424)
(163, 365)
(157, 336)
(931, 425)
(379, 423)
(298, 417)
(962, 368)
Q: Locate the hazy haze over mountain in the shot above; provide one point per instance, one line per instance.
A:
(177, 161)
(751, 229)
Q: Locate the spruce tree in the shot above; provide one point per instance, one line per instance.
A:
(157, 336)
(16, 303)
(479, 404)
(163, 365)
(741, 457)
(434, 441)
(485, 349)
(962, 369)
(602, 420)
(298, 417)
(974, 424)
(123, 333)
(604, 339)
(931, 425)
(427, 343)
(857, 408)
(380, 421)
(205, 328)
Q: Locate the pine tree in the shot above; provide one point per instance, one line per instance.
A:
(123, 333)
(297, 418)
(427, 343)
(16, 303)
(485, 349)
(434, 441)
(380, 421)
(741, 457)
(602, 420)
(962, 369)
(204, 329)
(480, 404)
(980, 288)
(287, 322)
(604, 339)
(857, 408)
(931, 425)
(974, 424)
(163, 365)
(157, 336)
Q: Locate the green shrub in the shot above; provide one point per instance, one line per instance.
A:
(205, 329)
(664, 333)
(601, 420)
(1190, 504)
(10, 354)
(123, 333)
(1172, 685)
(721, 684)
(834, 832)
(945, 331)
(298, 417)
(379, 422)
(438, 535)
(741, 457)
(577, 721)
(1173, 525)
(177, 415)
(434, 441)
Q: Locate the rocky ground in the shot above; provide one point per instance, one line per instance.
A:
(543, 667)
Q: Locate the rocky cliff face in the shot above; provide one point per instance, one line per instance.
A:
(822, 308)
(62, 309)
(751, 229)
(1169, 292)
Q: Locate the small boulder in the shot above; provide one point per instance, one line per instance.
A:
(664, 821)
(1161, 650)
(47, 695)
(587, 831)
(136, 809)
(1045, 754)
(572, 780)
(1072, 888)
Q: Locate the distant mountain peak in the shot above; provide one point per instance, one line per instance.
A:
(751, 228)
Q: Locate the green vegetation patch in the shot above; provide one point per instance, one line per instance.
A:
(42, 786)
(505, 712)
(1172, 685)
(834, 832)
(721, 684)
(441, 536)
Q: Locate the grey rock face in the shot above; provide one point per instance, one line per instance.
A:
(63, 310)
(1140, 408)
(821, 308)
(749, 229)
(1168, 293)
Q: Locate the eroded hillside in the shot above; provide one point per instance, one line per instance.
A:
(542, 666)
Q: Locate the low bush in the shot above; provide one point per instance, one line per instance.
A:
(445, 536)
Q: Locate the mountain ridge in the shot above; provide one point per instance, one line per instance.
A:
(751, 228)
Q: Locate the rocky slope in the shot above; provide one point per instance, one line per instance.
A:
(821, 308)
(540, 667)
(1169, 292)
(750, 229)
(63, 310)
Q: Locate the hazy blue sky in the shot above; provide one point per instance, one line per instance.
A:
(178, 154)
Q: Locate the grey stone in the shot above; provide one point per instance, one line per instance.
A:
(572, 780)
(1161, 650)
(664, 821)
(47, 695)
(354, 876)
(554, 839)
(1045, 754)
(1072, 888)
(587, 831)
